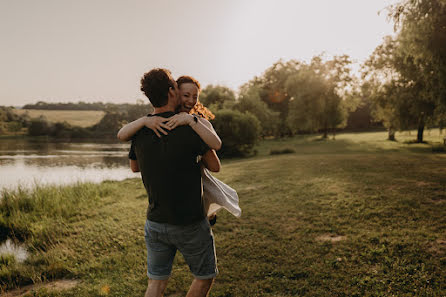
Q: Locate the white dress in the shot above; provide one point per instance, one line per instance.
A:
(218, 195)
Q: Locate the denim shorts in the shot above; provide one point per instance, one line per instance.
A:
(195, 242)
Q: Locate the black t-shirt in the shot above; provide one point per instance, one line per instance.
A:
(171, 173)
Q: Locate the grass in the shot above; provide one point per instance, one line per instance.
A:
(358, 216)
(81, 118)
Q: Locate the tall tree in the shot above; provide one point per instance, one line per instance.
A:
(317, 95)
(422, 46)
(249, 101)
(216, 96)
(400, 94)
(271, 86)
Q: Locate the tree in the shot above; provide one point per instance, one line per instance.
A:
(249, 101)
(422, 48)
(109, 125)
(239, 132)
(361, 117)
(39, 127)
(271, 87)
(317, 92)
(14, 127)
(398, 90)
(423, 37)
(135, 111)
(216, 96)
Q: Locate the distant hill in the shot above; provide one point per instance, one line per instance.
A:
(121, 107)
(79, 118)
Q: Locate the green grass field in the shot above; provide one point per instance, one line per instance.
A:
(81, 118)
(358, 216)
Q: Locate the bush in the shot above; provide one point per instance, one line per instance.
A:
(238, 131)
(250, 101)
(109, 125)
(438, 148)
(282, 151)
(39, 127)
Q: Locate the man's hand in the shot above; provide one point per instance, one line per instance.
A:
(157, 124)
(179, 119)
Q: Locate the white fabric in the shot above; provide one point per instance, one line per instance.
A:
(218, 195)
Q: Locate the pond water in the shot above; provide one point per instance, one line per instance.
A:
(28, 162)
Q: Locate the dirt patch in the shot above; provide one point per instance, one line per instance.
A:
(331, 237)
(57, 285)
(438, 201)
(251, 188)
(394, 187)
(438, 247)
(423, 184)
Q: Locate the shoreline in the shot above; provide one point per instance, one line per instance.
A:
(361, 220)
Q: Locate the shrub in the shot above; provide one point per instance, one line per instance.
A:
(239, 132)
(39, 127)
(282, 151)
(250, 101)
(438, 148)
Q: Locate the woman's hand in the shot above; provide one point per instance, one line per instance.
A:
(179, 119)
(157, 124)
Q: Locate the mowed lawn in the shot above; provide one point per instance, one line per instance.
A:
(81, 118)
(335, 218)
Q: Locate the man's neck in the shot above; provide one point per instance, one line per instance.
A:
(162, 109)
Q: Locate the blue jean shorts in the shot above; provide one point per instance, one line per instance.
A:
(195, 242)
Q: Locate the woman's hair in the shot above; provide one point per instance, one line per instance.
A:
(188, 79)
(202, 111)
(199, 108)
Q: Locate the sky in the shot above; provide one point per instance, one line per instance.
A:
(97, 50)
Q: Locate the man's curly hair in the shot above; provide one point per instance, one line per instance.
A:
(199, 108)
(156, 84)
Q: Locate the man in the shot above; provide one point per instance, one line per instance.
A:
(172, 178)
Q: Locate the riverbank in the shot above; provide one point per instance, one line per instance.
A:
(358, 216)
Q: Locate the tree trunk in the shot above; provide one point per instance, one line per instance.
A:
(420, 130)
(325, 132)
(391, 136)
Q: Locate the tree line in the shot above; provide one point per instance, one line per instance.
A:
(405, 77)
(401, 86)
(115, 116)
(81, 105)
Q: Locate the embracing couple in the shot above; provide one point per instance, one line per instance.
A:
(172, 149)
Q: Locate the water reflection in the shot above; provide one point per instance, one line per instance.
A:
(24, 162)
(10, 248)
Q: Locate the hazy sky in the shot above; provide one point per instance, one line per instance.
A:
(97, 50)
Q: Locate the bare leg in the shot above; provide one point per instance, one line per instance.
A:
(155, 288)
(200, 287)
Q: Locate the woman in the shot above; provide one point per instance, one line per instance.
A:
(216, 194)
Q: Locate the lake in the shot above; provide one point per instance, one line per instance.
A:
(27, 162)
